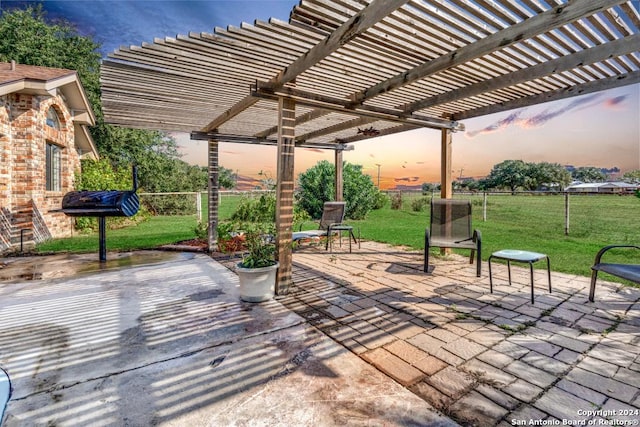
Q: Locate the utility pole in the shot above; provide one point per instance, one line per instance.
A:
(378, 165)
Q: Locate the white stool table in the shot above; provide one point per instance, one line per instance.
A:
(520, 256)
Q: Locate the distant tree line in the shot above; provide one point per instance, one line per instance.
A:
(517, 175)
(28, 37)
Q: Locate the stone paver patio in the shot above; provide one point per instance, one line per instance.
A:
(480, 358)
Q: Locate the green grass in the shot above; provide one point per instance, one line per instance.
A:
(156, 231)
(533, 223)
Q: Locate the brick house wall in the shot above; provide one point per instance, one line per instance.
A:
(24, 135)
(5, 175)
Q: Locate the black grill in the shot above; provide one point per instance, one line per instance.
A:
(102, 204)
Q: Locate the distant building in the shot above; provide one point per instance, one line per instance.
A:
(602, 187)
(44, 114)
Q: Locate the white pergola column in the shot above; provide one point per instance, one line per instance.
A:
(284, 193)
(213, 195)
(339, 181)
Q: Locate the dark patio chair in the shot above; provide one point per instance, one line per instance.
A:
(450, 227)
(331, 222)
(627, 271)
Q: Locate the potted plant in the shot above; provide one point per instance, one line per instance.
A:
(257, 271)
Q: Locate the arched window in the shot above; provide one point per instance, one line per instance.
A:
(52, 118)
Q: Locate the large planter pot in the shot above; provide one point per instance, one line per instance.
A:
(257, 284)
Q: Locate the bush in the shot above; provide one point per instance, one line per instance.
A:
(317, 186)
(202, 230)
(169, 204)
(419, 204)
(256, 209)
(100, 175)
(396, 201)
(380, 200)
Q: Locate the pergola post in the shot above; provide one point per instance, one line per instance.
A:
(284, 193)
(446, 183)
(213, 195)
(339, 183)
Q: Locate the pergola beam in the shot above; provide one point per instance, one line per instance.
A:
(546, 21)
(345, 107)
(335, 128)
(556, 95)
(360, 22)
(383, 132)
(241, 139)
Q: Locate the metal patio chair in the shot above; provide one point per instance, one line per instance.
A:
(331, 223)
(450, 227)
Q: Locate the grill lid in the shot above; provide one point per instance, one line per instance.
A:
(101, 203)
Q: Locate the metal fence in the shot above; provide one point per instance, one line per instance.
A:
(614, 216)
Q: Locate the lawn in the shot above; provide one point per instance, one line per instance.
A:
(535, 223)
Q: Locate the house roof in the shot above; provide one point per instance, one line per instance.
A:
(617, 184)
(358, 69)
(45, 81)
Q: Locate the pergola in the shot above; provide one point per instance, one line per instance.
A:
(342, 71)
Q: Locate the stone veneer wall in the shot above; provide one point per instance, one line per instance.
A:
(23, 138)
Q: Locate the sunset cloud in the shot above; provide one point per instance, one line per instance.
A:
(614, 103)
(497, 126)
(540, 119)
(407, 179)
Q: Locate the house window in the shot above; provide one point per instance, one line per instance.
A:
(53, 167)
(52, 118)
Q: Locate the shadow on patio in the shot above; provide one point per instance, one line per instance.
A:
(170, 343)
(481, 358)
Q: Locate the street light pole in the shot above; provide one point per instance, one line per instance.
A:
(378, 165)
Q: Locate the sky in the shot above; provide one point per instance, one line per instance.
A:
(601, 129)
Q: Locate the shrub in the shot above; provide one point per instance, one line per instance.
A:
(202, 230)
(380, 200)
(317, 186)
(419, 204)
(100, 175)
(396, 201)
(256, 209)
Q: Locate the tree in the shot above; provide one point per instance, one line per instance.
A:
(589, 174)
(317, 186)
(428, 188)
(552, 175)
(226, 178)
(632, 176)
(27, 37)
(511, 174)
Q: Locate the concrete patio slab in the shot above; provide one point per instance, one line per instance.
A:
(170, 343)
